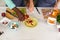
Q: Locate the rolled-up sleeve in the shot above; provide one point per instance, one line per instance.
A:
(9, 3)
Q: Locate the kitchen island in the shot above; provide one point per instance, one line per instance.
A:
(42, 31)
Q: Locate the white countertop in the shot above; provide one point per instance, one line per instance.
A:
(42, 31)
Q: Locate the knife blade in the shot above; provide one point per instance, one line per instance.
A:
(37, 10)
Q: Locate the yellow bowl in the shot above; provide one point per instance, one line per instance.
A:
(30, 22)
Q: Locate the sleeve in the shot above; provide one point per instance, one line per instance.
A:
(10, 4)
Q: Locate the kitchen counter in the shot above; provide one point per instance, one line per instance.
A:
(42, 31)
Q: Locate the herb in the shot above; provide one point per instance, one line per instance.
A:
(23, 10)
(58, 18)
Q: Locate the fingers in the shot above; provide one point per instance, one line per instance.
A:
(30, 5)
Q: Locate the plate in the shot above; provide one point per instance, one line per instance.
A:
(31, 22)
(13, 25)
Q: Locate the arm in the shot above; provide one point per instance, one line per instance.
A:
(57, 5)
(30, 5)
(58, 1)
(10, 4)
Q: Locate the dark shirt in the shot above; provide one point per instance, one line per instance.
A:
(19, 3)
(45, 3)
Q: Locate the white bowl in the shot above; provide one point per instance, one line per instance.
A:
(53, 19)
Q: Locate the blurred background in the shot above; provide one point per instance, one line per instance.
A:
(2, 3)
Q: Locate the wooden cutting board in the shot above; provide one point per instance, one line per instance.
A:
(11, 14)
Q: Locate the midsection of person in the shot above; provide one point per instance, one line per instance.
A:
(18, 3)
(45, 3)
(40, 3)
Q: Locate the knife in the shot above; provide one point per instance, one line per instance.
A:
(37, 10)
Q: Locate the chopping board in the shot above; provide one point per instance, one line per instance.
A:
(11, 14)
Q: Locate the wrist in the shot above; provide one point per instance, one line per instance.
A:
(31, 0)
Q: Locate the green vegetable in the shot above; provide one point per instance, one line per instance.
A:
(14, 14)
(58, 18)
(23, 10)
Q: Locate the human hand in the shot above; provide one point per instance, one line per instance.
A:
(30, 5)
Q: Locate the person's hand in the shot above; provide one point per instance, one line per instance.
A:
(30, 5)
(20, 14)
(55, 7)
